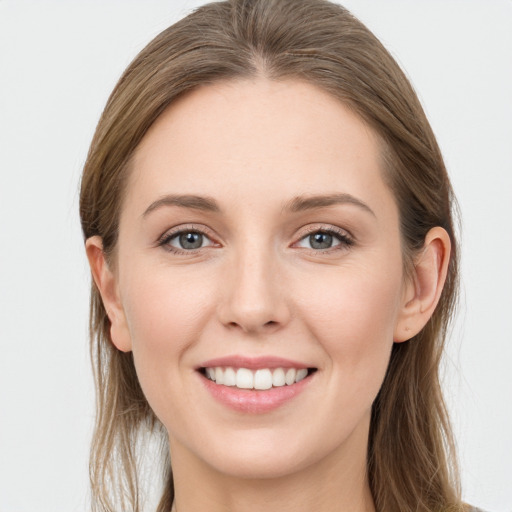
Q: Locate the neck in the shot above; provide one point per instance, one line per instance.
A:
(337, 483)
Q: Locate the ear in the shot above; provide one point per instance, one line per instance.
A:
(106, 283)
(423, 290)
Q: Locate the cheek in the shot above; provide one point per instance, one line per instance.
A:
(164, 307)
(165, 316)
(353, 317)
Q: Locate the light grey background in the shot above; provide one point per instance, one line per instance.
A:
(58, 63)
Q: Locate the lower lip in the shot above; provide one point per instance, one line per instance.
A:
(255, 401)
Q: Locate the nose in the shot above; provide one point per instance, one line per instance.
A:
(254, 298)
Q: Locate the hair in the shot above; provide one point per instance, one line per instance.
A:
(411, 460)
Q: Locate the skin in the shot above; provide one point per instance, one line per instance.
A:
(258, 287)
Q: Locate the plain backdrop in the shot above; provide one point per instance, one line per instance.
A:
(58, 64)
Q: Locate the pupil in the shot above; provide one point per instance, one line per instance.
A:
(191, 240)
(321, 240)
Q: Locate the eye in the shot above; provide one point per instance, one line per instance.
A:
(185, 240)
(325, 239)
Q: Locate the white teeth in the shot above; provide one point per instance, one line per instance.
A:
(229, 377)
(261, 379)
(244, 379)
(219, 376)
(278, 377)
(301, 374)
(290, 376)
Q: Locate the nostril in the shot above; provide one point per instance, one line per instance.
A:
(249, 326)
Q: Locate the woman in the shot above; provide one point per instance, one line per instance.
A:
(268, 222)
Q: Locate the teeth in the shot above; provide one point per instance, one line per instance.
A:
(278, 378)
(244, 379)
(219, 376)
(229, 377)
(301, 374)
(290, 376)
(261, 379)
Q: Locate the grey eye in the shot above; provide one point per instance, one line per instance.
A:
(188, 240)
(321, 240)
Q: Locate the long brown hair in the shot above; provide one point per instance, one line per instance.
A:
(411, 463)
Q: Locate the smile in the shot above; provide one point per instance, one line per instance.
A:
(255, 385)
(259, 379)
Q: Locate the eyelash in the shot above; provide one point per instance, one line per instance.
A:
(166, 238)
(346, 241)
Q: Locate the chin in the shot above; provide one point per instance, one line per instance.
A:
(259, 466)
(266, 454)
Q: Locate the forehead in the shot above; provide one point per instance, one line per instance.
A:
(258, 141)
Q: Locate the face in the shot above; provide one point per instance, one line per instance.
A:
(259, 246)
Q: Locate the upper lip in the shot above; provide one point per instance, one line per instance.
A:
(253, 363)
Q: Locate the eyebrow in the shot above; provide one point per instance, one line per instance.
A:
(297, 204)
(302, 203)
(207, 204)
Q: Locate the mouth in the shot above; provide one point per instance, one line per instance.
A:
(260, 379)
(255, 385)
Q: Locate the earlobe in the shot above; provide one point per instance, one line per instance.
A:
(424, 289)
(106, 283)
